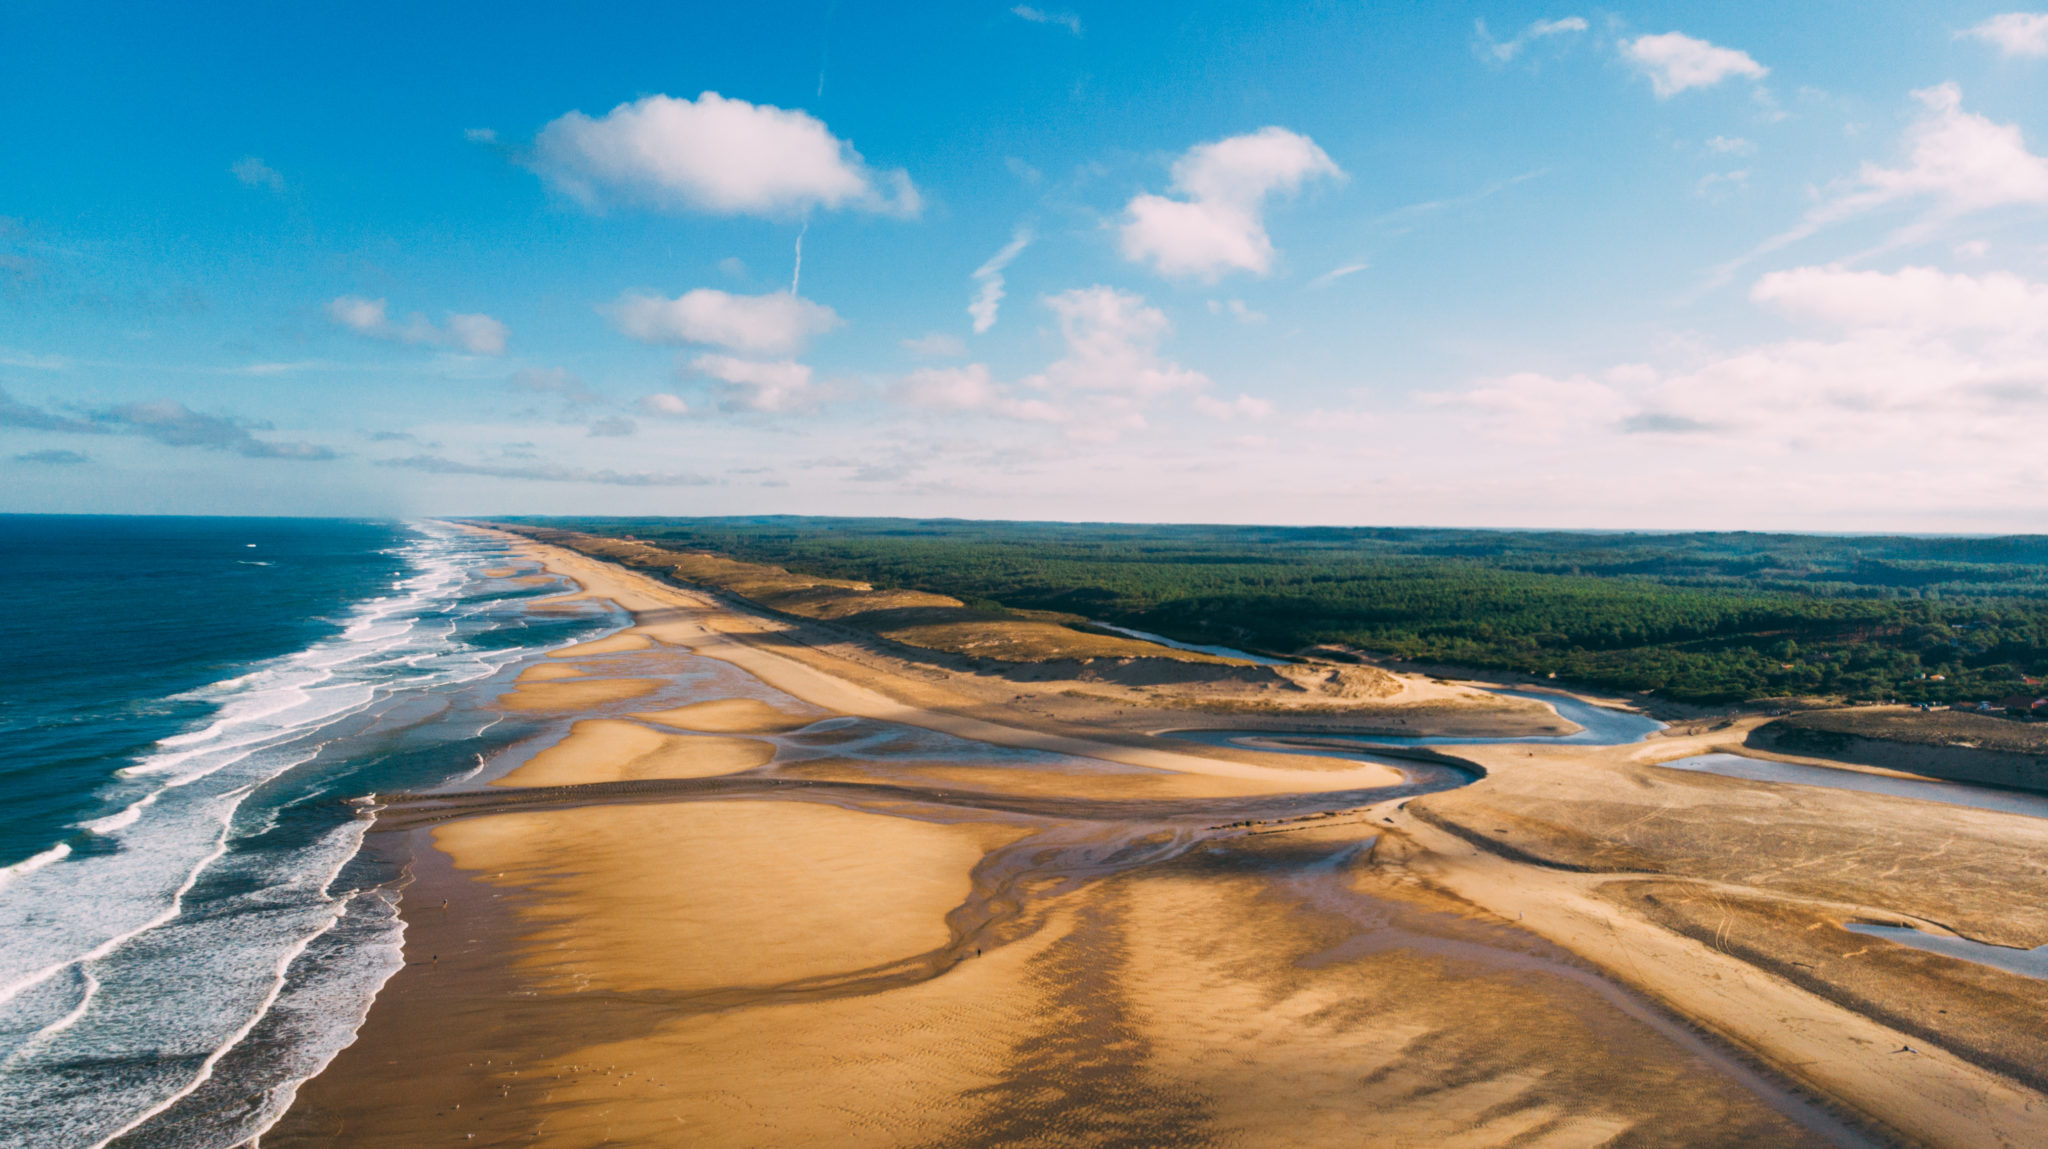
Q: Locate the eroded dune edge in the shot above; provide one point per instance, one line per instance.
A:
(757, 882)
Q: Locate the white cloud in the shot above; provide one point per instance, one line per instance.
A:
(969, 388)
(1218, 226)
(2022, 34)
(1242, 407)
(1675, 62)
(1112, 342)
(556, 381)
(1111, 370)
(663, 404)
(935, 346)
(777, 323)
(989, 277)
(477, 334)
(1503, 51)
(255, 173)
(1067, 20)
(1237, 310)
(1931, 386)
(480, 135)
(1957, 163)
(1337, 273)
(712, 154)
(1911, 299)
(1962, 160)
(756, 385)
(1731, 146)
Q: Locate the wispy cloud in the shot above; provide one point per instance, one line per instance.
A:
(548, 472)
(176, 425)
(1337, 273)
(475, 333)
(165, 421)
(1957, 164)
(257, 174)
(52, 458)
(1502, 51)
(988, 277)
(1067, 20)
(1427, 207)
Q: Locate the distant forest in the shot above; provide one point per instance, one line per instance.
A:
(1708, 617)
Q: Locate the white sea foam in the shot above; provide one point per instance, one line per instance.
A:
(102, 964)
(31, 864)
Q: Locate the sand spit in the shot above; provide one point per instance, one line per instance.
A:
(732, 716)
(1068, 931)
(608, 750)
(546, 695)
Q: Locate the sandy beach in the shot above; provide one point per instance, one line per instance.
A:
(760, 885)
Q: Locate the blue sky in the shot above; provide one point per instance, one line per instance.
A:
(1677, 265)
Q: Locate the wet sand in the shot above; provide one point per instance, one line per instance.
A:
(1083, 937)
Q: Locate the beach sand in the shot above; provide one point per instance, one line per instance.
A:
(732, 716)
(1130, 940)
(608, 750)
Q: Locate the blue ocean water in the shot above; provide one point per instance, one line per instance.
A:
(193, 707)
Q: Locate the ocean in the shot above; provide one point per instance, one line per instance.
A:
(194, 710)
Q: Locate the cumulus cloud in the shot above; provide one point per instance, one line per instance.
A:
(989, 282)
(1112, 340)
(665, 405)
(1067, 20)
(2023, 34)
(969, 388)
(778, 323)
(1913, 298)
(1100, 386)
(477, 334)
(715, 155)
(775, 386)
(1962, 161)
(1923, 365)
(1218, 226)
(1503, 51)
(257, 174)
(1675, 62)
(548, 472)
(1957, 164)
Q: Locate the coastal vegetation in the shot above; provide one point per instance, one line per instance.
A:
(1696, 617)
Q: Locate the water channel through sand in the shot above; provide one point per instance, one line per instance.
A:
(889, 935)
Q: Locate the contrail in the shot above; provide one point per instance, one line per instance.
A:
(797, 276)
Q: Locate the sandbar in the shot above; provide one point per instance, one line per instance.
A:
(608, 750)
(732, 716)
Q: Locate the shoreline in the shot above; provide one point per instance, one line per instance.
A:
(1484, 880)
